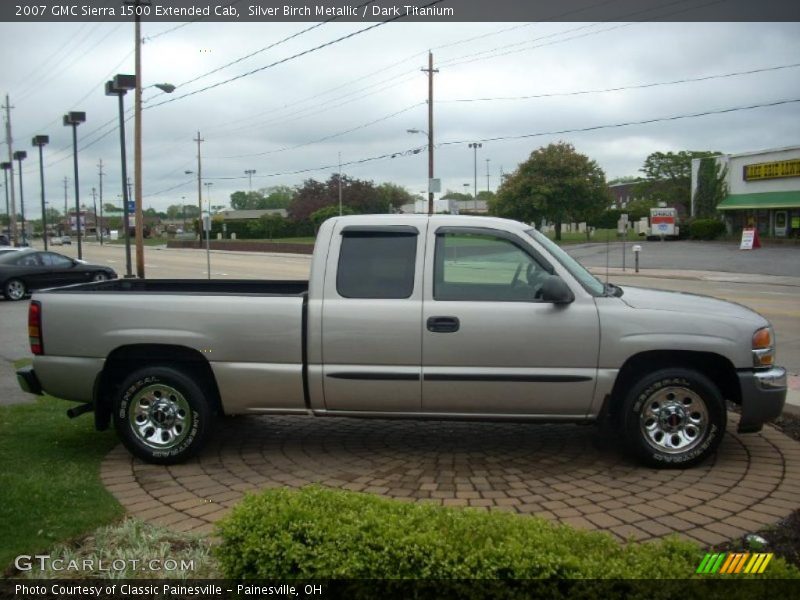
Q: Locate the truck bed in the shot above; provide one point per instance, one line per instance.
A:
(192, 286)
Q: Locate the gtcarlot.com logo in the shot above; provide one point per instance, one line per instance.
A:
(732, 563)
(46, 562)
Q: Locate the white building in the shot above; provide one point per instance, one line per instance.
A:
(763, 191)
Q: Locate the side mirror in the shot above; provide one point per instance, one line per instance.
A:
(556, 291)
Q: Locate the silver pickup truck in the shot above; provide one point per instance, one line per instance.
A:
(442, 317)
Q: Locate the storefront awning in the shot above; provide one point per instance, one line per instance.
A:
(761, 201)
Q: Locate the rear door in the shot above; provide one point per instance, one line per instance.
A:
(491, 345)
(371, 337)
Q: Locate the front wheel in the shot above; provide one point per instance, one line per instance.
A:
(99, 277)
(674, 418)
(161, 415)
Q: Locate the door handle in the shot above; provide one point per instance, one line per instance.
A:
(443, 324)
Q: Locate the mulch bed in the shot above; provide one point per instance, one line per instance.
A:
(783, 538)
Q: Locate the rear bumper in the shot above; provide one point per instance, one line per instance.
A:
(26, 377)
(763, 397)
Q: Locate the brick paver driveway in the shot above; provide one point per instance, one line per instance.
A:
(561, 472)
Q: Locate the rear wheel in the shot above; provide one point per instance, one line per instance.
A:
(161, 415)
(674, 418)
(14, 289)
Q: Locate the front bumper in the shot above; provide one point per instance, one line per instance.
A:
(763, 397)
(26, 377)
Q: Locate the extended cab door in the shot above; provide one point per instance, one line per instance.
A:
(491, 345)
(371, 338)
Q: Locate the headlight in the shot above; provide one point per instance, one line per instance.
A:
(764, 347)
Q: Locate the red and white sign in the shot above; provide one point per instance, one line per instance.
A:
(663, 221)
(749, 239)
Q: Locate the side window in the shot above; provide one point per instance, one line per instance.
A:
(482, 267)
(55, 260)
(376, 265)
(28, 260)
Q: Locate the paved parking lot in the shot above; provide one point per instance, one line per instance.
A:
(564, 473)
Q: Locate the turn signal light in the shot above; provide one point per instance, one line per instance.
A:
(762, 338)
(763, 348)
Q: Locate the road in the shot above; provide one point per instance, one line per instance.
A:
(778, 303)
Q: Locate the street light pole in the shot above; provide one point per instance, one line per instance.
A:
(41, 141)
(118, 87)
(250, 173)
(208, 185)
(74, 119)
(430, 71)
(6, 166)
(19, 156)
(475, 146)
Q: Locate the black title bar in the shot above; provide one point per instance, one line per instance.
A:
(416, 11)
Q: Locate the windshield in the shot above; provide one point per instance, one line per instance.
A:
(590, 283)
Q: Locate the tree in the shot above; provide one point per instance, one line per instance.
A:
(556, 183)
(323, 214)
(711, 188)
(668, 177)
(363, 197)
(108, 207)
(393, 196)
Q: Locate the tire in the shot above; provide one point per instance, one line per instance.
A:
(161, 415)
(14, 289)
(674, 418)
(99, 277)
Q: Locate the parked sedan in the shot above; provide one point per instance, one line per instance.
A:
(27, 270)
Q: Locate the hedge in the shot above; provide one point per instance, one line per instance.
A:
(706, 229)
(318, 533)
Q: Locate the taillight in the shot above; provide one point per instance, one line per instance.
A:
(35, 328)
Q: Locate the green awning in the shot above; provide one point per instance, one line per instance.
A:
(761, 201)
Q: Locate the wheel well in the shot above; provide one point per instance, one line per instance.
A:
(717, 368)
(126, 359)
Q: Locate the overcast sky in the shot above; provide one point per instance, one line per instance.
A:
(360, 95)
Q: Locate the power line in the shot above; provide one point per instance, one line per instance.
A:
(626, 124)
(268, 47)
(627, 87)
(326, 138)
(290, 58)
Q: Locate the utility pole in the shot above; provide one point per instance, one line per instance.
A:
(137, 136)
(487, 175)
(100, 168)
(198, 139)
(12, 223)
(430, 71)
(340, 184)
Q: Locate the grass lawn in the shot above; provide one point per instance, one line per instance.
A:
(575, 237)
(50, 488)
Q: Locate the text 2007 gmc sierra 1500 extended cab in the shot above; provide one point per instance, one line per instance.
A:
(442, 317)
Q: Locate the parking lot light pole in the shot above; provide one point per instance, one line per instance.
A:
(475, 147)
(41, 141)
(6, 166)
(119, 87)
(19, 156)
(74, 119)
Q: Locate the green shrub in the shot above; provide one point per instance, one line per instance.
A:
(706, 229)
(317, 533)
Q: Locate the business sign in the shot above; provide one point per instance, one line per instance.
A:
(772, 170)
(749, 239)
(663, 221)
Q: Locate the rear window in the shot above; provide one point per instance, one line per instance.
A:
(377, 265)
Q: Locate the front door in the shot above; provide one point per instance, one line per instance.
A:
(491, 346)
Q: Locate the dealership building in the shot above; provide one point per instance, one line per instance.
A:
(763, 191)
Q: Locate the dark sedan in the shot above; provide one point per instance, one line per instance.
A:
(26, 270)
